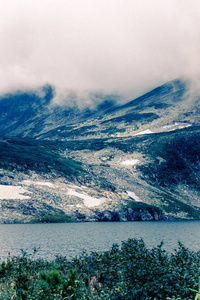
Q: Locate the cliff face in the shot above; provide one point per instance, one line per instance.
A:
(128, 214)
(148, 214)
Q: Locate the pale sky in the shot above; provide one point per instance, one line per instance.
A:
(117, 46)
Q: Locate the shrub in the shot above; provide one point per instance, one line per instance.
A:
(131, 271)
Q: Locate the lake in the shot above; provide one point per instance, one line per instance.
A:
(70, 239)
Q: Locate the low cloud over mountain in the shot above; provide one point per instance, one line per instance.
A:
(121, 47)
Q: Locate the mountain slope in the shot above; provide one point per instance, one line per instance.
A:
(138, 161)
(165, 108)
(29, 113)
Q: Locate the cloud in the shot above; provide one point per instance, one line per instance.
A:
(124, 47)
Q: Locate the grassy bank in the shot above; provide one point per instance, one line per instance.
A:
(128, 272)
(54, 219)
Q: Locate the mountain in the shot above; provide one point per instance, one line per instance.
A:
(32, 113)
(136, 161)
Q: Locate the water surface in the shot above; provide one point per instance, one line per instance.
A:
(70, 239)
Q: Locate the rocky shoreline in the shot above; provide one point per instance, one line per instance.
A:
(123, 215)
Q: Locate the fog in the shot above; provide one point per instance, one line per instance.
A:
(122, 47)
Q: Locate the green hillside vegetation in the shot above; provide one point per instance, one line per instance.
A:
(53, 219)
(180, 153)
(131, 117)
(40, 156)
(43, 156)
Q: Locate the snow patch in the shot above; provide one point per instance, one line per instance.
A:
(147, 131)
(88, 200)
(45, 183)
(183, 125)
(12, 192)
(176, 126)
(134, 196)
(165, 128)
(130, 162)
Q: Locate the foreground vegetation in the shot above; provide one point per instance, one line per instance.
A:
(128, 272)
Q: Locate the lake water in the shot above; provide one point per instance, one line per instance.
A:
(70, 239)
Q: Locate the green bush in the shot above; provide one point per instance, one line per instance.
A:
(131, 271)
(53, 219)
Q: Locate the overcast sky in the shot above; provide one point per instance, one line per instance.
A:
(117, 46)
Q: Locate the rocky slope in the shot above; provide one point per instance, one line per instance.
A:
(138, 161)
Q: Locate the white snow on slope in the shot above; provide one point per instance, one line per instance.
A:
(165, 128)
(130, 162)
(12, 192)
(88, 200)
(147, 131)
(175, 126)
(134, 196)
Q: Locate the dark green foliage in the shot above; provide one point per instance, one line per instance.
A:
(69, 132)
(113, 129)
(54, 219)
(91, 144)
(175, 205)
(131, 271)
(40, 156)
(180, 153)
(174, 159)
(60, 131)
(153, 104)
(81, 131)
(141, 206)
(146, 117)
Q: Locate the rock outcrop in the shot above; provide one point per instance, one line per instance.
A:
(149, 214)
(124, 215)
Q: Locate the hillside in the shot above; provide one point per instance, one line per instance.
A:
(137, 161)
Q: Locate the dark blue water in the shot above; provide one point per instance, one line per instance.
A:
(70, 239)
